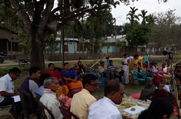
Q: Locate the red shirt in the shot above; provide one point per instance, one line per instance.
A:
(56, 74)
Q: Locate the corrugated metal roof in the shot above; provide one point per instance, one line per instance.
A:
(110, 39)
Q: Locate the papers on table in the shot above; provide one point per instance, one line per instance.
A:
(16, 98)
(137, 110)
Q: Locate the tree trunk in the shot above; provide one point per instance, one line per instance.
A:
(36, 51)
(83, 50)
(62, 39)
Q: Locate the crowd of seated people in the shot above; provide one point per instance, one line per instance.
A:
(150, 92)
(55, 73)
(52, 84)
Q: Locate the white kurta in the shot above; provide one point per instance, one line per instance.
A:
(50, 100)
(104, 109)
(126, 71)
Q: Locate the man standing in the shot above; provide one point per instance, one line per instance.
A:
(7, 90)
(106, 108)
(115, 70)
(31, 84)
(83, 99)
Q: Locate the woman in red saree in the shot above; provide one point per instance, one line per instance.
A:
(55, 73)
(160, 93)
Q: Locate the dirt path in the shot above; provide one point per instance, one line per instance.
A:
(13, 62)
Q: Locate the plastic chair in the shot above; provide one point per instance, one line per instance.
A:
(152, 76)
(43, 108)
(144, 75)
(67, 114)
(135, 77)
(102, 82)
(26, 96)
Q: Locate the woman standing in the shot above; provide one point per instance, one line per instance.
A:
(140, 59)
(133, 62)
(125, 62)
(147, 58)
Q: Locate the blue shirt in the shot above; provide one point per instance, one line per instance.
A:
(40, 90)
(70, 74)
(147, 58)
(108, 62)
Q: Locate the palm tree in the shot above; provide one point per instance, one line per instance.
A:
(150, 19)
(144, 17)
(132, 16)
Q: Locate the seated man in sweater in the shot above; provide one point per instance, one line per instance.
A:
(31, 84)
(49, 98)
(148, 90)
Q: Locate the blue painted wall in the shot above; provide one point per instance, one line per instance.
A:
(71, 48)
(112, 48)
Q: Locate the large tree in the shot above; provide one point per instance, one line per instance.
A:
(37, 16)
(137, 36)
(166, 30)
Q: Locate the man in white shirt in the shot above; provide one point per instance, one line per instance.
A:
(83, 100)
(49, 98)
(7, 90)
(106, 108)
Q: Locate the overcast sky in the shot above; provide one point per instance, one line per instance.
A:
(151, 6)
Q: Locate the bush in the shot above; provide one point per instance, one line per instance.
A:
(3, 71)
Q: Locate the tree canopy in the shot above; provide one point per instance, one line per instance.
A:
(166, 30)
(38, 19)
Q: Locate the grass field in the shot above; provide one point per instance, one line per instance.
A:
(129, 89)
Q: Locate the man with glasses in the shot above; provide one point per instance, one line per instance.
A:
(83, 99)
(106, 108)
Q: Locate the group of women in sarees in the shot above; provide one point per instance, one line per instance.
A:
(128, 66)
(139, 63)
(69, 81)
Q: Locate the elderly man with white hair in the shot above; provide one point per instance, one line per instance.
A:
(49, 98)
